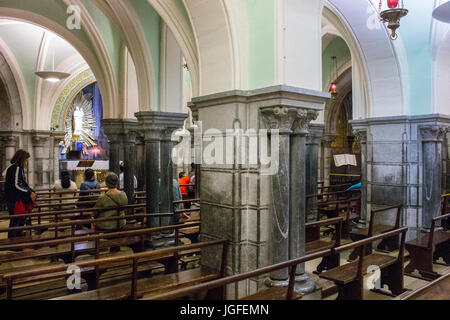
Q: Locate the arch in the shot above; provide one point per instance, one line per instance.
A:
(102, 67)
(76, 84)
(123, 14)
(441, 65)
(378, 76)
(15, 97)
(184, 35)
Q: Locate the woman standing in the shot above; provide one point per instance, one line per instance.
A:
(17, 189)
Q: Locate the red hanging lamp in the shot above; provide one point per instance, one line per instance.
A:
(333, 74)
(392, 15)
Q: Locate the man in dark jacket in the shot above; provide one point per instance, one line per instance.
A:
(17, 189)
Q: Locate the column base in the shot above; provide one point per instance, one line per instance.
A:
(276, 283)
(304, 284)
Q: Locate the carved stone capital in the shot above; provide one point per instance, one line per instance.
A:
(432, 133)
(304, 117)
(155, 125)
(39, 141)
(362, 135)
(279, 118)
(328, 139)
(9, 141)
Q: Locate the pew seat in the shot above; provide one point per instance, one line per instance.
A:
(148, 286)
(274, 293)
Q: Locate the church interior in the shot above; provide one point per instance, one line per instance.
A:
(265, 149)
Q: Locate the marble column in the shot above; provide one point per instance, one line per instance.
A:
(10, 144)
(2, 156)
(312, 164)
(115, 132)
(327, 140)
(140, 161)
(432, 138)
(39, 156)
(280, 118)
(362, 134)
(156, 126)
(57, 138)
(297, 196)
(129, 148)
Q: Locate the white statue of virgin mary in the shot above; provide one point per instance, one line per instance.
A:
(78, 120)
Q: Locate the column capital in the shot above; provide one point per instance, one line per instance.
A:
(433, 133)
(120, 130)
(156, 125)
(315, 133)
(304, 117)
(362, 134)
(39, 141)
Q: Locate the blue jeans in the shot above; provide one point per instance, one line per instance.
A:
(16, 222)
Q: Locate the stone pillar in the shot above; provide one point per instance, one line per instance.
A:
(312, 163)
(362, 134)
(57, 138)
(39, 169)
(10, 144)
(129, 148)
(280, 118)
(140, 161)
(298, 159)
(156, 126)
(432, 138)
(327, 157)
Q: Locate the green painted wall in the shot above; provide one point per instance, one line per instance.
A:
(261, 43)
(152, 24)
(415, 31)
(337, 48)
(110, 35)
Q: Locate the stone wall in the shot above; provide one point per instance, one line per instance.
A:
(395, 165)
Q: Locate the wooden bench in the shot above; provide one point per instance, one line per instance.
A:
(438, 289)
(137, 288)
(92, 244)
(427, 249)
(446, 208)
(219, 285)
(387, 245)
(315, 244)
(349, 277)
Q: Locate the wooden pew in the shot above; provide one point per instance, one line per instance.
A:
(316, 245)
(427, 249)
(92, 244)
(389, 244)
(349, 277)
(446, 208)
(135, 288)
(274, 293)
(438, 289)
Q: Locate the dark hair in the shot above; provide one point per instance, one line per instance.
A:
(65, 179)
(19, 157)
(121, 168)
(88, 174)
(112, 180)
(181, 175)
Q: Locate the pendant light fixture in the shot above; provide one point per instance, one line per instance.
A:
(392, 15)
(52, 76)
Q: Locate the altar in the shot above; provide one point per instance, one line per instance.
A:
(100, 167)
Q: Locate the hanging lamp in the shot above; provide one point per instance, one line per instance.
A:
(396, 10)
(333, 74)
(52, 76)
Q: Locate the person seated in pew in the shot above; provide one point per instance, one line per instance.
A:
(65, 184)
(89, 184)
(112, 198)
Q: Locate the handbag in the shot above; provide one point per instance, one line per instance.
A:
(19, 208)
